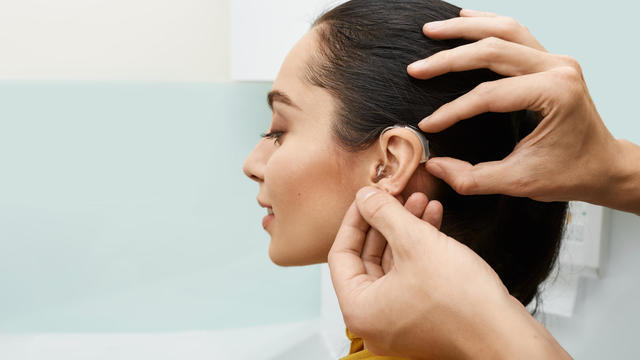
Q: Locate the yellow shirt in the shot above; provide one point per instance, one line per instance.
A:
(358, 352)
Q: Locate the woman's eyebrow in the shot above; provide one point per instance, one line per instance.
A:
(278, 95)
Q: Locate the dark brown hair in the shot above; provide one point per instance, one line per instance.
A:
(364, 49)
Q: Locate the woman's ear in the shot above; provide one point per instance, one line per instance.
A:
(401, 151)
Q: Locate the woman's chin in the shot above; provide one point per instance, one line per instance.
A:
(277, 257)
(282, 258)
(278, 260)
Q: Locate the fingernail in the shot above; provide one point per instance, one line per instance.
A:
(433, 25)
(420, 64)
(425, 121)
(364, 193)
(469, 11)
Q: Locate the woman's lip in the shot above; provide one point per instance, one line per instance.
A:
(267, 220)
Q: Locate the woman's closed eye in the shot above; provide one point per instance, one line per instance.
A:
(273, 135)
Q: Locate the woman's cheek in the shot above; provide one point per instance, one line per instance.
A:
(283, 180)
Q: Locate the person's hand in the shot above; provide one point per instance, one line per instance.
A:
(376, 255)
(437, 300)
(569, 156)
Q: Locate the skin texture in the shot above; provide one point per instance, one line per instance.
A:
(310, 181)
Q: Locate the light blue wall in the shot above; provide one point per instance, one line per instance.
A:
(123, 207)
(601, 35)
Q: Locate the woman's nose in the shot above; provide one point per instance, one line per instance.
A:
(254, 165)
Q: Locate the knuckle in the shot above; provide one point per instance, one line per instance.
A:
(465, 185)
(512, 27)
(572, 62)
(510, 24)
(491, 42)
(568, 82)
(443, 56)
(569, 74)
(491, 48)
(483, 89)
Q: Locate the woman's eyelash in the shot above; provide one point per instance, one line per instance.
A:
(273, 135)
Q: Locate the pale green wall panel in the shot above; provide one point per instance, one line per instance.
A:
(123, 207)
(602, 36)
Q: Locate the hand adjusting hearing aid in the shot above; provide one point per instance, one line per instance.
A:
(421, 137)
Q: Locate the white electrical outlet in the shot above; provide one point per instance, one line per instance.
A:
(582, 243)
(580, 256)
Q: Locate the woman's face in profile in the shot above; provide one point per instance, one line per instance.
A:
(304, 176)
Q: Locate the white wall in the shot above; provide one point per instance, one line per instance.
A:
(262, 32)
(152, 40)
(606, 321)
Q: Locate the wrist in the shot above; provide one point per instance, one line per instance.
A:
(514, 334)
(624, 184)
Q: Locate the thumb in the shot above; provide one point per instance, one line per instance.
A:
(485, 178)
(384, 213)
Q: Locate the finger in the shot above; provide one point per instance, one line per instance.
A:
(416, 203)
(433, 214)
(372, 252)
(495, 54)
(485, 178)
(469, 12)
(503, 95)
(388, 216)
(387, 259)
(476, 28)
(375, 245)
(347, 268)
